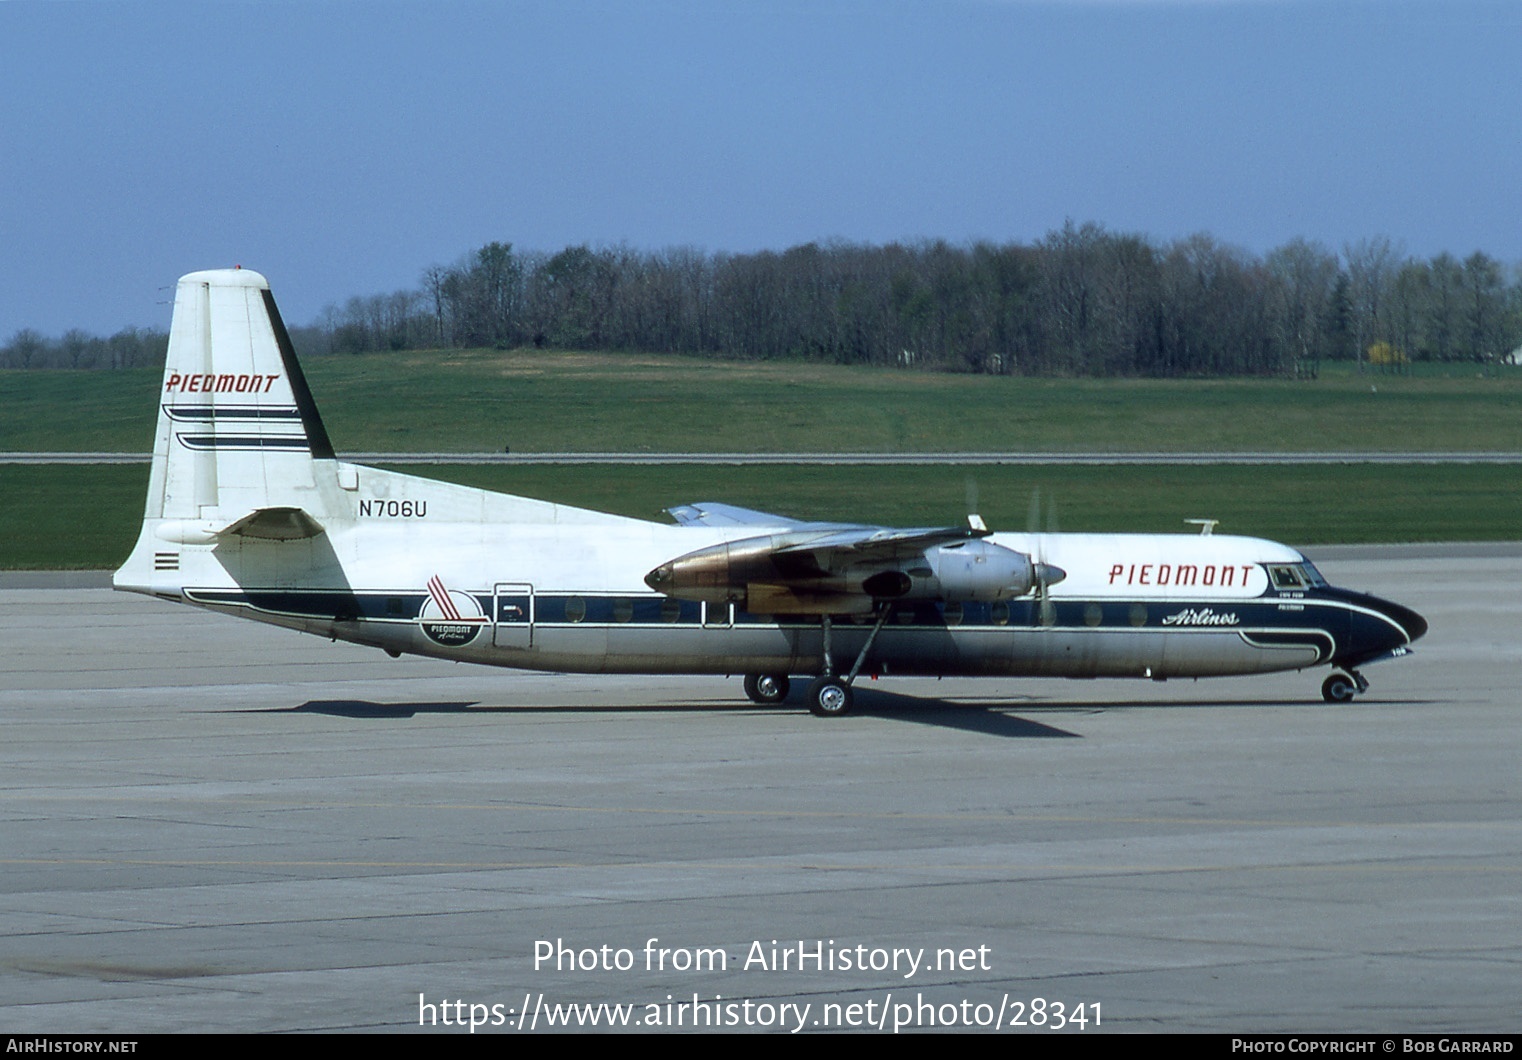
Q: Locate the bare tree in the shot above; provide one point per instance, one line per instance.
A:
(1306, 275)
(1372, 266)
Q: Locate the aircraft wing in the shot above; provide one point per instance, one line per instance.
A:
(866, 545)
(827, 569)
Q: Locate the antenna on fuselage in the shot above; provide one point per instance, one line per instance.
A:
(1207, 526)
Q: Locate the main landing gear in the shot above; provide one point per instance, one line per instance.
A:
(1341, 688)
(829, 697)
(767, 689)
(829, 694)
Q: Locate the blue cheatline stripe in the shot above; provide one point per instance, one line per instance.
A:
(202, 442)
(203, 413)
(1319, 641)
(1260, 622)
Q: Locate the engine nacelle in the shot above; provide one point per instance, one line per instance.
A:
(977, 570)
(720, 573)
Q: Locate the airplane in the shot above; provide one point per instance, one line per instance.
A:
(251, 513)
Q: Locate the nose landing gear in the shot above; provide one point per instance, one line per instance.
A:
(1342, 687)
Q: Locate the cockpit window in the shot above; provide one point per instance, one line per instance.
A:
(1286, 577)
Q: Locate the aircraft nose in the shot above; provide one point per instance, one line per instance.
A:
(1376, 628)
(1396, 627)
(1414, 624)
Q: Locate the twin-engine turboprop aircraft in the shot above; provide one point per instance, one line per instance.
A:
(250, 513)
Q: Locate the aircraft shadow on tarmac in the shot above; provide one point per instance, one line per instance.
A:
(995, 715)
(1003, 716)
(992, 719)
(359, 708)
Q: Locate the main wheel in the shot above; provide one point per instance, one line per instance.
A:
(830, 697)
(1339, 688)
(767, 689)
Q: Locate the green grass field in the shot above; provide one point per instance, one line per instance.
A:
(87, 517)
(538, 401)
(545, 401)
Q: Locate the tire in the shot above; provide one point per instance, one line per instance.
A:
(1339, 688)
(767, 689)
(830, 697)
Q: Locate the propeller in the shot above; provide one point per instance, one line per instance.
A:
(1046, 575)
(1043, 574)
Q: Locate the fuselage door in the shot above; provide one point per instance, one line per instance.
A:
(513, 615)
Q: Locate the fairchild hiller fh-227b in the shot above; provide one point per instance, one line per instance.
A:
(250, 513)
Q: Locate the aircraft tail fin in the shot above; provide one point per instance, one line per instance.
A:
(237, 427)
(240, 448)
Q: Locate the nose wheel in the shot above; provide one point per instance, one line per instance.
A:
(1341, 688)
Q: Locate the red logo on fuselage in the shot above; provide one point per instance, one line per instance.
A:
(224, 383)
(1180, 574)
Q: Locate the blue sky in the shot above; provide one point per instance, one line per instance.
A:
(341, 148)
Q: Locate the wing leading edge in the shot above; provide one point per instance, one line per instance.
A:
(716, 513)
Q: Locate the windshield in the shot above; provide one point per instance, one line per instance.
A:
(1312, 575)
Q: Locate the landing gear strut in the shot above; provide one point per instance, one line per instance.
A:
(830, 696)
(1341, 688)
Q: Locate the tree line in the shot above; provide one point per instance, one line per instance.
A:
(128, 348)
(1082, 301)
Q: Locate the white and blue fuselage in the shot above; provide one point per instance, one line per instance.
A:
(250, 513)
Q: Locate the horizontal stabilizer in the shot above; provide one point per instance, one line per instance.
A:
(274, 524)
